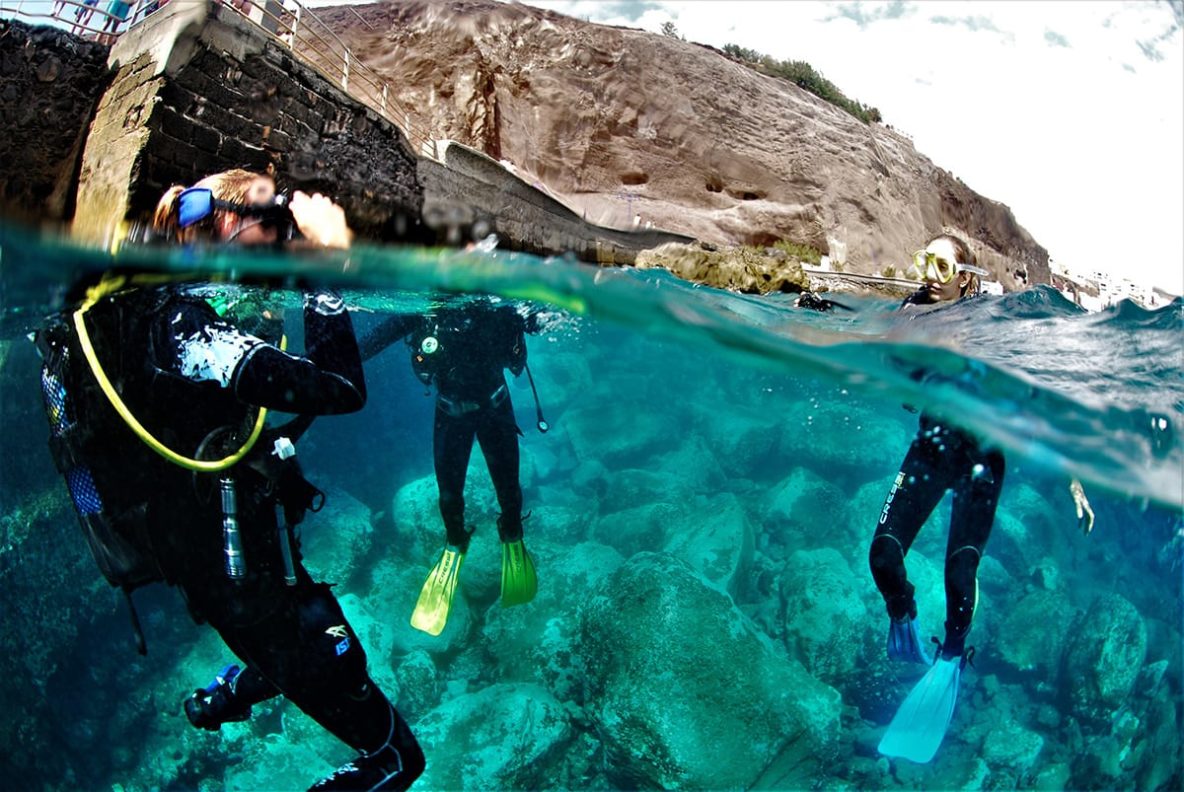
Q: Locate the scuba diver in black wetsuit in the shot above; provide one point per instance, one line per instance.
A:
(463, 349)
(154, 404)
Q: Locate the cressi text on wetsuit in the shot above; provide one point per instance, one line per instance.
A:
(194, 380)
(464, 350)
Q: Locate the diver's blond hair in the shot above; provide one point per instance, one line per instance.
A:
(231, 185)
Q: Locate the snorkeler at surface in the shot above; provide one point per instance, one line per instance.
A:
(463, 350)
(163, 466)
(941, 458)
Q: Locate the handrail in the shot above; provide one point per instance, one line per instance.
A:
(289, 22)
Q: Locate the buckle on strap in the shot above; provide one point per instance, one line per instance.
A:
(457, 408)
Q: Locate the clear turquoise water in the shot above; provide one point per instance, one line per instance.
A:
(702, 509)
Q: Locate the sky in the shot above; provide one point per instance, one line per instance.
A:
(1071, 113)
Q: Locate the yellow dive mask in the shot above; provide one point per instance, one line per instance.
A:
(934, 266)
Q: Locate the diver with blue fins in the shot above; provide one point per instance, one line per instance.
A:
(941, 458)
(157, 398)
(463, 348)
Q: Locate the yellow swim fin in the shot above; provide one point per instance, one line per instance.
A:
(435, 598)
(519, 583)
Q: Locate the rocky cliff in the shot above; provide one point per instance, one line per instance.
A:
(627, 125)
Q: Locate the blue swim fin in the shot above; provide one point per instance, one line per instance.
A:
(920, 724)
(904, 642)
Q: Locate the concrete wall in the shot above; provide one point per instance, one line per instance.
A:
(199, 89)
(50, 83)
(470, 195)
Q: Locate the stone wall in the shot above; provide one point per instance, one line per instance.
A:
(199, 89)
(470, 195)
(51, 82)
(196, 89)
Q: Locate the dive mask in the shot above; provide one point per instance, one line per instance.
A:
(933, 266)
(198, 203)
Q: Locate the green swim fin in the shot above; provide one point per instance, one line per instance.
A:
(435, 598)
(921, 722)
(519, 583)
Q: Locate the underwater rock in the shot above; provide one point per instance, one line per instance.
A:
(742, 441)
(640, 528)
(803, 502)
(416, 512)
(536, 642)
(1158, 752)
(374, 625)
(715, 539)
(1012, 746)
(419, 685)
(336, 540)
(619, 438)
(685, 693)
(1103, 657)
(825, 614)
(630, 488)
(1032, 633)
(507, 736)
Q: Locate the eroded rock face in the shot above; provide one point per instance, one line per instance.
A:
(629, 127)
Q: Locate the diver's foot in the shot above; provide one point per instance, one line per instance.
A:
(519, 582)
(435, 598)
(383, 770)
(209, 707)
(904, 642)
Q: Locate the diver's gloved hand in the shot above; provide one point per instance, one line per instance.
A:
(209, 707)
(1085, 513)
(904, 642)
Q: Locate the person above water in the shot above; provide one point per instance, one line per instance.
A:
(463, 349)
(941, 458)
(156, 402)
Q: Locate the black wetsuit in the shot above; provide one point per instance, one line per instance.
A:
(941, 458)
(464, 350)
(192, 378)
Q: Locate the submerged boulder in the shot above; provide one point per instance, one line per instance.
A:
(685, 693)
(336, 540)
(715, 539)
(1032, 633)
(507, 736)
(536, 642)
(1103, 657)
(825, 613)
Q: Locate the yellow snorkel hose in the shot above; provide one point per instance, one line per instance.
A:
(110, 285)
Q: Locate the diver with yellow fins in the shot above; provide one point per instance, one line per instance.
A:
(463, 349)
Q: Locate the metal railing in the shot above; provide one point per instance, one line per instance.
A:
(288, 21)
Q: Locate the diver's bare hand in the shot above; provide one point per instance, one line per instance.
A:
(1085, 513)
(321, 221)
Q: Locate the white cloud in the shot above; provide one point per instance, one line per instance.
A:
(1070, 113)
